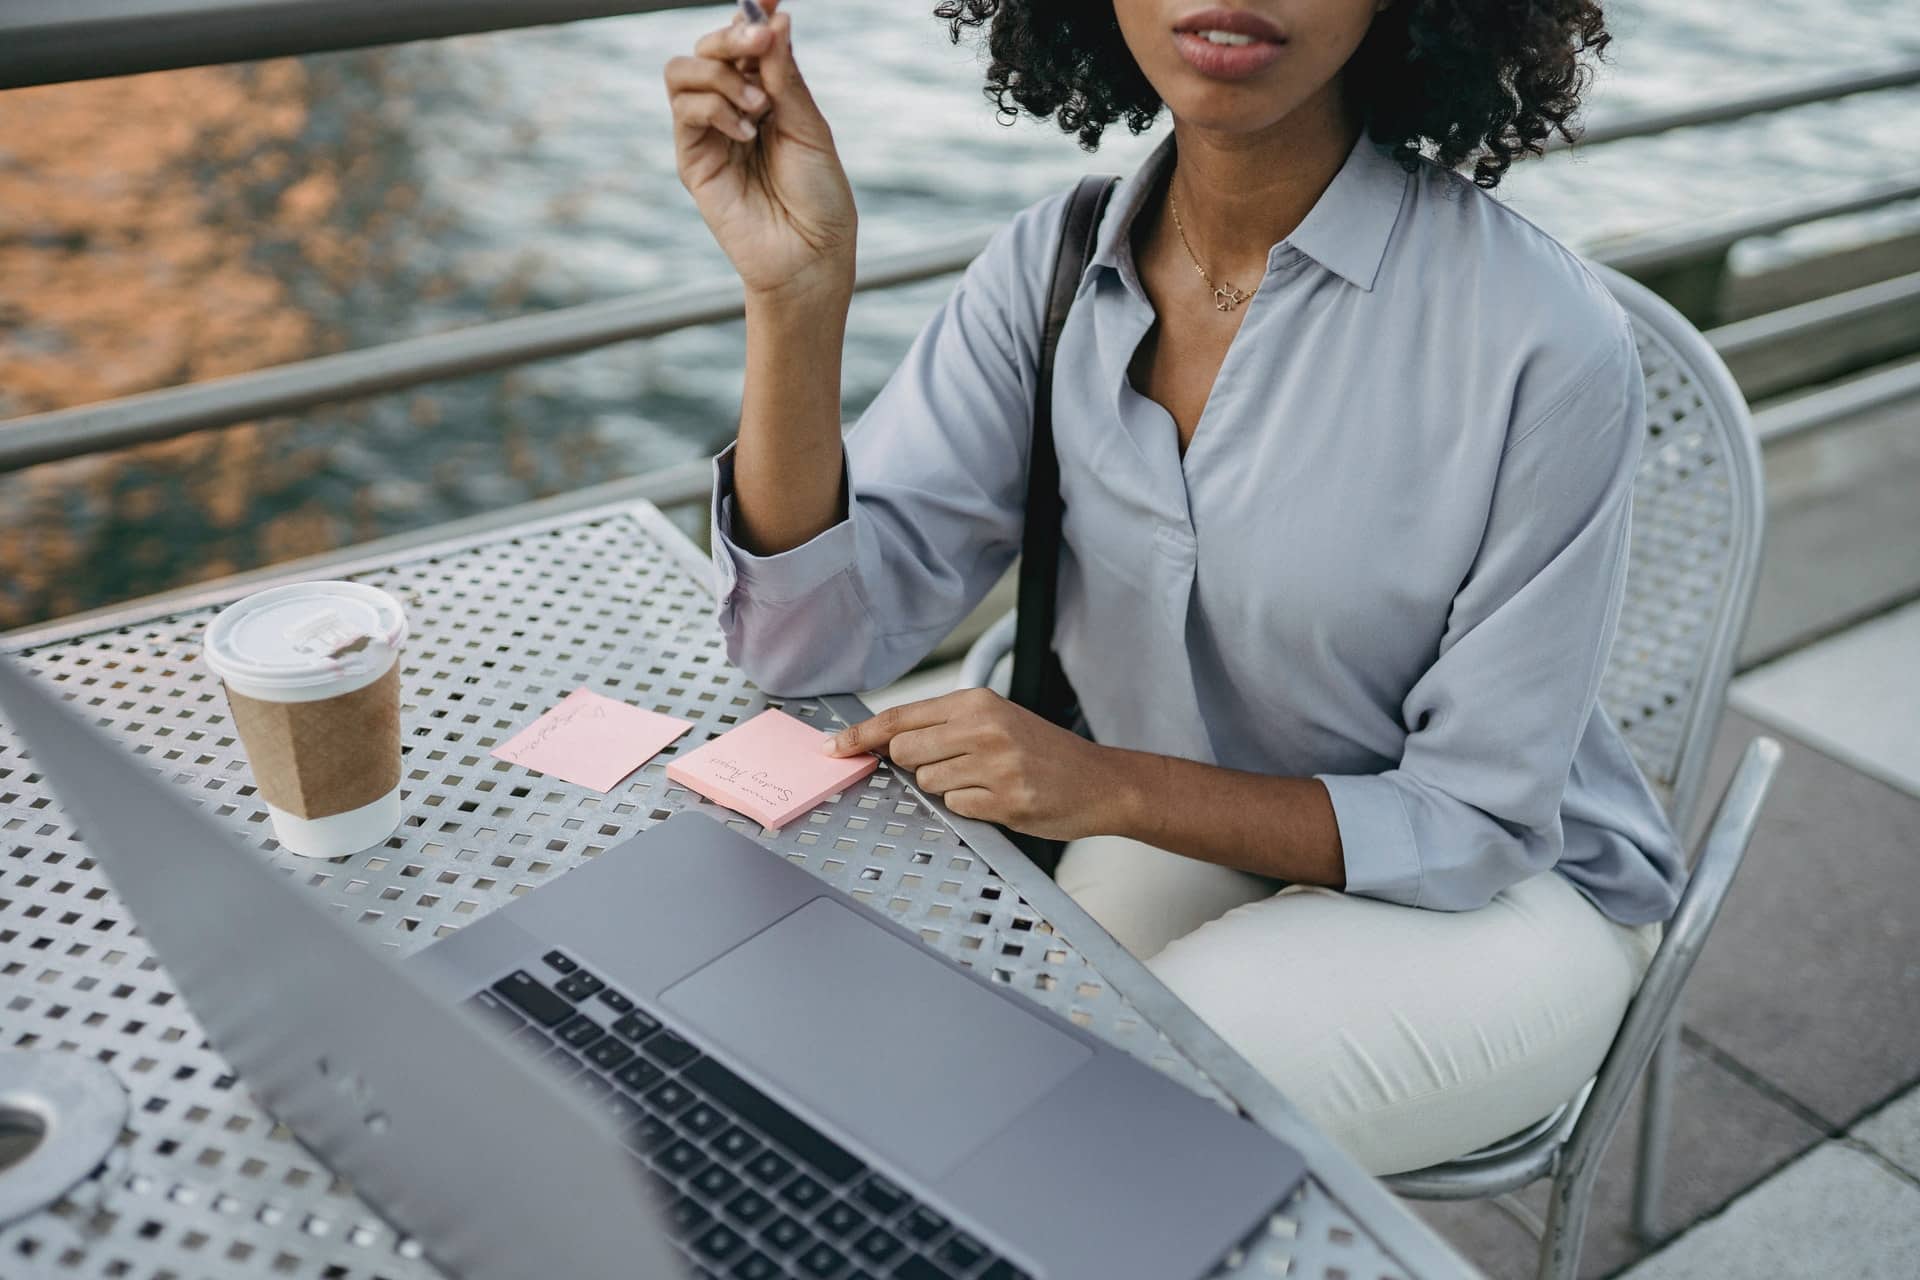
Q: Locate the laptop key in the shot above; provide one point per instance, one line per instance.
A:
(624, 1110)
(682, 1158)
(881, 1196)
(787, 1235)
(923, 1224)
(492, 1006)
(878, 1245)
(639, 1075)
(1004, 1270)
(687, 1215)
(962, 1251)
(595, 1087)
(648, 1132)
(525, 993)
(803, 1192)
(636, 1026)
(578, 985)
(669, 1097)
(840, 1219)
(701, 1120)
(769, 1168)
(560, 962)
(821, 1260)
(750, 1207)
(580, 1031)
(615, 1001)
(756, 1266)
(716, 1181)
(719, 1242)
(736, 1144)
(772, 1119)
(608, 1054)
(669, 1050)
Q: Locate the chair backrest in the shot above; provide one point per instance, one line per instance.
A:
(1698, 523)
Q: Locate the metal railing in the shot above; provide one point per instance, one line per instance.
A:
(51, 41)
(1690, 261)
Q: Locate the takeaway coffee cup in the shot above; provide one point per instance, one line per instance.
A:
(313, 679)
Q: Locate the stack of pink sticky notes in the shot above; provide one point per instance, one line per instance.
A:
(592, 740)
(772, 769)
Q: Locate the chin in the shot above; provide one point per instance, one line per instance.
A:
(1223, 109)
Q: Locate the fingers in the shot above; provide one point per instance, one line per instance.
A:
(740, 40)
(919, 747)
(943, 776)
(705, 75)
(874, 733)
(971, 802)
(762, 53)
(695, 113)
(778, 70)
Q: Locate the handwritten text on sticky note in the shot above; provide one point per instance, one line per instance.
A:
(771, 769)
(591, 740)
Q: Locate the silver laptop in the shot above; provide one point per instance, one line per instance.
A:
(686, 1057)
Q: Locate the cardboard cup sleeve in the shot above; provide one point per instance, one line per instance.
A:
(316, 759)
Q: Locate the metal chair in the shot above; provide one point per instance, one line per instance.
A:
(1695, 555)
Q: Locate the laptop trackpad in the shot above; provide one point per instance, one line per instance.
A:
(875, 1035)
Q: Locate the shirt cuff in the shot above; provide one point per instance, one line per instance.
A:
(789, 575)
(1376, 838)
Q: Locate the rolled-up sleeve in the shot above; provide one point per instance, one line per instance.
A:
(1492, 725)
(936, 482)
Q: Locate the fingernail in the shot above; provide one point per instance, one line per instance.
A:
(755, 95)
(747, 131)
(830, 745)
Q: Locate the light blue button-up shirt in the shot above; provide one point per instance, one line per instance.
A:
(1391, 559)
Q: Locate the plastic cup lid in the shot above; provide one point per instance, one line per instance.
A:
(305, 635)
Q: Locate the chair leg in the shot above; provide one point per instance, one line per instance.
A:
(1566, 1227)
(1656, 1106)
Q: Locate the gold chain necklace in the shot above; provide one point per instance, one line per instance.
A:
(1225, 297)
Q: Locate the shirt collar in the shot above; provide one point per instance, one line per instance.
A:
(1346, 231)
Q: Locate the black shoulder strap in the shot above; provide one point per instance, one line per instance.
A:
(1038, 682)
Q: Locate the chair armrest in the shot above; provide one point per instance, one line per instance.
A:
(976, 669)
(1721, 852)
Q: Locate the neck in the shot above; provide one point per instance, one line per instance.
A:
(1241, 193)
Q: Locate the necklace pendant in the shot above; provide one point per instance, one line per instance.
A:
(1225, 298)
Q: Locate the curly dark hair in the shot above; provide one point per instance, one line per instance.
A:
(1468, 75)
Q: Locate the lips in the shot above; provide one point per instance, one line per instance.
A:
(1235, 21)
(1261, 46)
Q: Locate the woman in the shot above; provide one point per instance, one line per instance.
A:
(1347, 450)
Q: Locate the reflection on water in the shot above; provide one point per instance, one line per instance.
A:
(162, 229)
(159, 229)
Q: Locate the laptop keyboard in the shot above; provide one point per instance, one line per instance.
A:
(751, 1190)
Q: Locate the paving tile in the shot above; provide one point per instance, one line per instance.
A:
(1855, 695)
(1843, 530)
(1484, 1235)
(1831, 1213)
(1894, 1131)
(1812, 975)
(1726, 1138)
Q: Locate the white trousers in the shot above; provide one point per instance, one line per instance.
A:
(1409, 1036)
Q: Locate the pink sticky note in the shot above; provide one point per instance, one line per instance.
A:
(771, 769)
(592, 740)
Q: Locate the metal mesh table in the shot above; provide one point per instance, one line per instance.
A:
(204, 1183)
